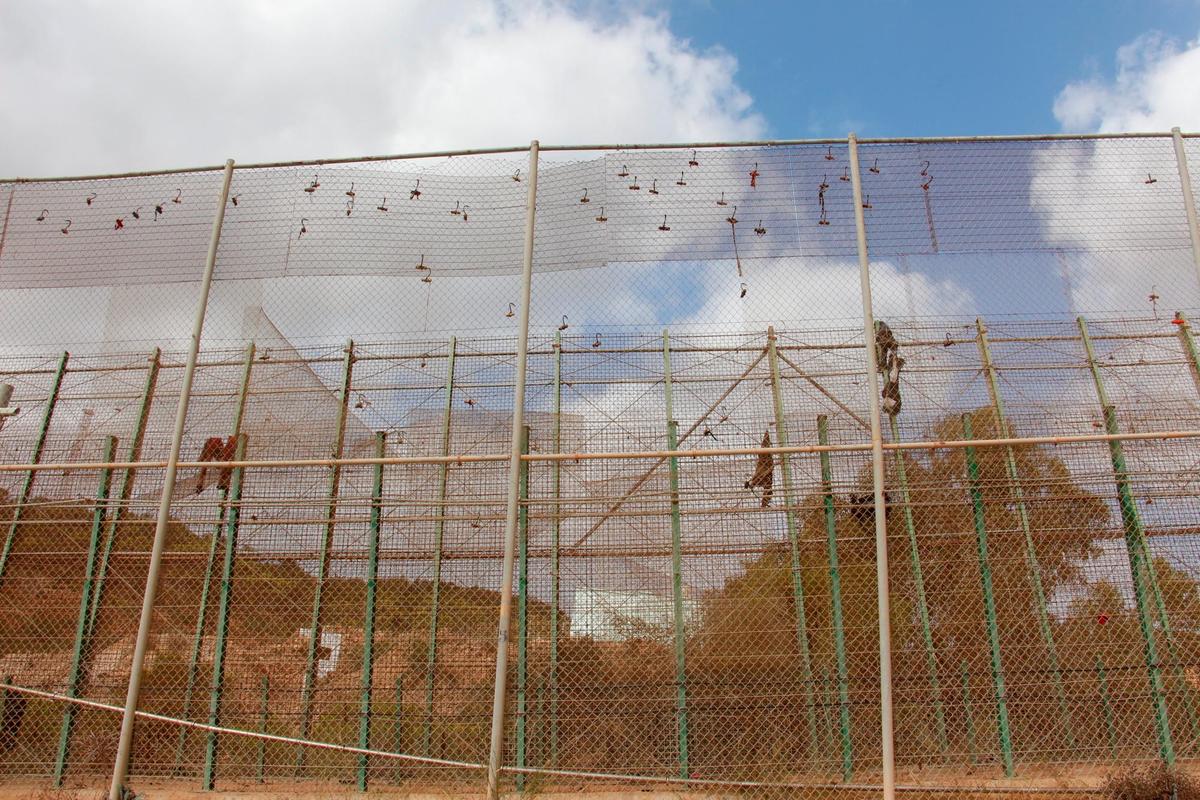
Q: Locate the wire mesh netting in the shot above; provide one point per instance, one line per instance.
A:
(696, 575)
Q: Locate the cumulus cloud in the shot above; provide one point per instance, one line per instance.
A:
(1154, 89)
(93, 87)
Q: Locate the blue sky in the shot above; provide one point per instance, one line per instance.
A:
(921, 69)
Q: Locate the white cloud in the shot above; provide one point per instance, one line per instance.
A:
(1155, 88)
(93, 87)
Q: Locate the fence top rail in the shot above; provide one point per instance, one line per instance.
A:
(561, 148)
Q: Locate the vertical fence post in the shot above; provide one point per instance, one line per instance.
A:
(522, 611)
(312, 664)
(1138, 553)
(264, 714)
(1189, 349)
(968, 715)
(368, 663)
(35, 457)
(439, 529)
(835, 598)
(1106, 704)
(164, 508)
(1031, 558)
(232, 522)
(681, 710)
(555, 530)
(500, 689)
(118, 502)
(209, 565)
(1189, 202)
(989, 600)
(887, 744)
(793, 528)
(914, 553)
(75, 676)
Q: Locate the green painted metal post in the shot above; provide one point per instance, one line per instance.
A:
(1031, 558)
(989, 601)
(368, 664)
(120, 499)
(439, 529)
(522, 610)
(193, 673)
(914, 554)
(1189, 348)
(75, 676)
(968, 715)
(335, 475)
(555, 530)
(681, 709)
(1106, 704)
(232, 520)
(793, 529)
(264, 714)
(1137, 551)
(34, 458)
(835, 599)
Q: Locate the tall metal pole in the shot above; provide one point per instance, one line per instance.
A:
(439, 528)
(35, 457)
(216, 695)
(835, 599)
(75, 676)
(523, 614)
(368, 663)
(887, 744)
(313, 663)
(1031, 558)
(989, 600)
(1139, 556)
(793, 529)
(209, 565)
(1189, 202)
(555, 530)
(681, 710)
(914, 554)
(496, 749)
(164, 508)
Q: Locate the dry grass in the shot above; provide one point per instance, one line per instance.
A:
(1157, 782)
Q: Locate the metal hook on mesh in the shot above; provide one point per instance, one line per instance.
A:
(845, 176)
(601, 217)
(465, 215)
(585, 198)
(681, 181)
(722, 202)
(428, 276)
(754, 176)
(92, 196)
(596, 341)
(867, 202)
(350, 192)
(303, 226)
(654, 187)
(732, 218)
(829, 153)
(928, 181)
(234, 200)
(874, 167)
(178, 198)
(564, 324)
(421, 264)
(664, 226)
(633, 187)
(119, 224)
(760, 230)
(158, 211)
(66, 228)
(624, 173)
(457, 210)
(516, 176)
(137, 213)
(1154, 298)
(42, 216)
(512, 309)
(316, 184)
(415, 194)
(924, 168)
(692, 162)
(382, 205)
(1150, 179)
(362, 401)
(349, 207)
(743, 294)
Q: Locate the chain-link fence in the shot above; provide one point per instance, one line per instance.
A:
(728, 460)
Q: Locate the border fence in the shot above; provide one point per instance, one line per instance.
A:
(842, 467)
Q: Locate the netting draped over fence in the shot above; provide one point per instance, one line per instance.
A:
(695, 590)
